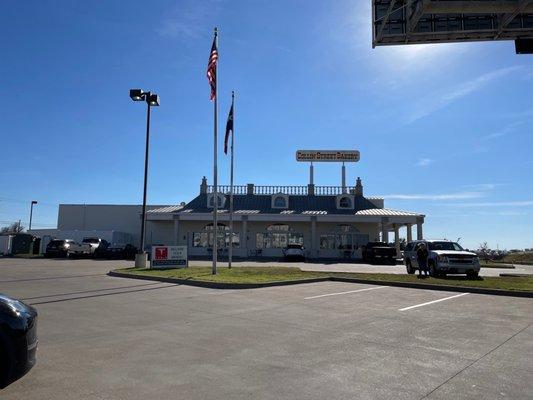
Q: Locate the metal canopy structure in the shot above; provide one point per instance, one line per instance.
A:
(441, 21)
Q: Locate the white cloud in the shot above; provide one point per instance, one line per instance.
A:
(504, 131)
(188, 21)
(520, 203)
(437, 102)
(483, 186)
(424, 162)
(433, 197)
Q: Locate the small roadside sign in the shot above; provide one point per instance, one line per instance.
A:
(167, 257)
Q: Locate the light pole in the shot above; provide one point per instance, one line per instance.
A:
(33, 202)
(151, 100)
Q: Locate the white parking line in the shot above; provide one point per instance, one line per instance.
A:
(432, 302)
(351, 291)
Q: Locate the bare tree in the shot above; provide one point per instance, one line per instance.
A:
(14, 228)
(484, 251)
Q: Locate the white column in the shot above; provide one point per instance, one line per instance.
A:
(244, 237)
(409, 233)
(397, 240)
(176, 232)
(384, 231)
(419, 233)
(313, 237)
(343, 178)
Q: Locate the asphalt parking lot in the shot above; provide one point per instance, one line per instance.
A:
(114, 338)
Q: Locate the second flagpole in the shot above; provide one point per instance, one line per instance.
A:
(230, 253)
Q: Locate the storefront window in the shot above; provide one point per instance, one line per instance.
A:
(278, 236)
(205, 238)
(343, 237)
(327, 242)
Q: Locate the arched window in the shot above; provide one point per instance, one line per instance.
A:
(280, 202)
(345, 202)
(346, 228)
(221, 227)
(278, 227)
(221, 201)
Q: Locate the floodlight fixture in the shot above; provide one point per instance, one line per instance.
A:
(136, 94)
(153, 100)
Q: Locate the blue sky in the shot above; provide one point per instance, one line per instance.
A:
(444, 130)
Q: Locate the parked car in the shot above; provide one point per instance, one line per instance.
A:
(18, 339)
(58, 248)
(294, 252)
(116, 251)
(374, 251)
(445, 257)
(94, 243)
(77, 249)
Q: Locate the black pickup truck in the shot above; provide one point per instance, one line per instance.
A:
(379, 251)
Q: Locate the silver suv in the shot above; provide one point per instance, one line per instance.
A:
(445, 257)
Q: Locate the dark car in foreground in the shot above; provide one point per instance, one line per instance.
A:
(18, 339)
(378, 251)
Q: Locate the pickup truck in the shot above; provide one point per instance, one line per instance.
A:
(445, 257)
(374, 251)
(86, 248)
(79, 250)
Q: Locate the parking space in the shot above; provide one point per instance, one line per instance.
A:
(103, 337)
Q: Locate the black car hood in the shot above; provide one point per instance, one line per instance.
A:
(14, 307)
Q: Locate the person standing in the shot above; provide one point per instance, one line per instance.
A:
(422, 259)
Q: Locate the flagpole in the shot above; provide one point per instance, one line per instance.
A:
(231, 183)
(215, 172)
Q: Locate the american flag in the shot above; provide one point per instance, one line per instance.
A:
(212, 69)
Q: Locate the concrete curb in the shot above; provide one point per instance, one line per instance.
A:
(424, 286)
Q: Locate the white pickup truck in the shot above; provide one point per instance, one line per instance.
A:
(445, 257)
(86, 248)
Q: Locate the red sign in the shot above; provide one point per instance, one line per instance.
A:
(161, 253)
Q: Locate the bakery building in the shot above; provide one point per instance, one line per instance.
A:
(331, 222)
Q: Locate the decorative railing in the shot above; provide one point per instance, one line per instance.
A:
(289, 189)
(237, 189)
(302, 190)
(333, 190)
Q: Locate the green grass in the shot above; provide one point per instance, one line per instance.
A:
(233, 275)
(276, 274)
(523, 257)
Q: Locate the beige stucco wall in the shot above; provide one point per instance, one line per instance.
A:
(165, 235)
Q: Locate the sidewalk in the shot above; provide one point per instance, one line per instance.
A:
(348, 267)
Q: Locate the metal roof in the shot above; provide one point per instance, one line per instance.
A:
(298, 204)
(387, 212)
(166, 209)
